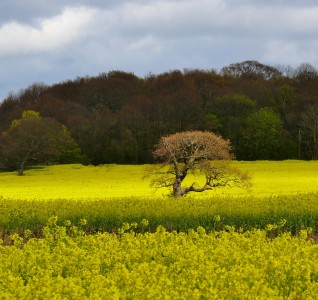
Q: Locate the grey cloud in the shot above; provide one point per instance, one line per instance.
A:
(47, 35)
(144, 36)
(27, 11)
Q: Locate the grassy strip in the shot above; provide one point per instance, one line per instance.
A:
(248, 212)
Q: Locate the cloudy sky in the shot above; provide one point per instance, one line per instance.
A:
(51, 41)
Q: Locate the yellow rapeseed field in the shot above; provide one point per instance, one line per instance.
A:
(118, 181)
(67, 264)
(108, 235)
(75, 182)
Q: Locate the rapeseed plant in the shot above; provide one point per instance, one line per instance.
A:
(161, 265)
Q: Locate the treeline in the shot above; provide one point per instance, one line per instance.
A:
(116, 117)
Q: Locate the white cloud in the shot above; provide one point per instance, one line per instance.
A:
(147, 42)
(285, 52)
(228, 19)
(169, 18)
(46, 35)
(144, 36)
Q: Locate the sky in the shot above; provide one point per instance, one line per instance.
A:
(45, 41)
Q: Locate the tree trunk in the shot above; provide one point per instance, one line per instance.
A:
(22, 165)
(177, 190)
(20, 170)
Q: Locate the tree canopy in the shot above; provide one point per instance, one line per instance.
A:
(262, 136)
(35, 140)
(196, 152)
(117, 117)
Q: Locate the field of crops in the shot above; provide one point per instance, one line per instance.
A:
(83, 232)
(118, 181)
(66, 264)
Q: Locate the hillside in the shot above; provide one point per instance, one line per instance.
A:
(116, 117)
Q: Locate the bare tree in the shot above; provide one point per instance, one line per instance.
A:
(286, 70)
(306, 72)
(197, 153)
(251, 69)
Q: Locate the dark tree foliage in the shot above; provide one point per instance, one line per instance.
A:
(251, 69)
(35, 140)
(117, 117)
(262, 136)
(308, 133)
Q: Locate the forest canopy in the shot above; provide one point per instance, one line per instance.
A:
(118, 117)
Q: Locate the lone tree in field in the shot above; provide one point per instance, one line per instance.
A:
(34, 140)
(197, 153)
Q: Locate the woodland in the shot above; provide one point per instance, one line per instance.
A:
(266, 112)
